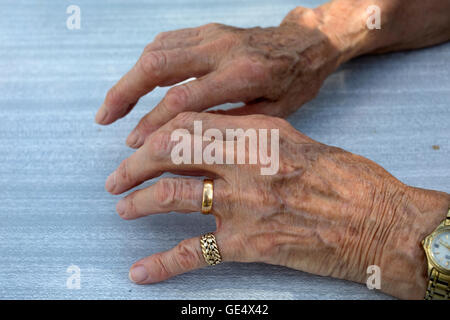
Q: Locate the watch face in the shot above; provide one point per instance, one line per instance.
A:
(440, 249)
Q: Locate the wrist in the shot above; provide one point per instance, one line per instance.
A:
(403, 262)
(342, 22)
(345, 24)
(403, 25)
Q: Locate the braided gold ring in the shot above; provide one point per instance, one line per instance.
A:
(207, 199)
(210, 249)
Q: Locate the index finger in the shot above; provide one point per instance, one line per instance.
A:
(154, 68)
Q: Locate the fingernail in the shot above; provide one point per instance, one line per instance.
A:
(138, 274)
(121, 206)
(101, 114)
(133, 138)
(110, 182)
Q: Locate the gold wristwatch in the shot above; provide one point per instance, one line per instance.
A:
(437, 249)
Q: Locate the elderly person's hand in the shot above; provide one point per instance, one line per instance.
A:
(326, 211)
(273, 71)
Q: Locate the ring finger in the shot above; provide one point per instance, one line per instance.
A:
(170, 194)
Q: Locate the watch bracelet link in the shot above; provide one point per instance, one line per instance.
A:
(439, 284)
(438, 287)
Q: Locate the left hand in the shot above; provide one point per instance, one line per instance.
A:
(326, 211)
(272, 71)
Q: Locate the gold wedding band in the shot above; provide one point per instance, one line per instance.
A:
(210, 249)
(207, 199)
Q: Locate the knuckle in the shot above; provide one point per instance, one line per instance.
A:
(146, 124)
(114, 96)
(211, 25)
(253, 70)
(186, 257)
(162, 268)
(155, 45)
(271, 122)
(160, 144)
(169, 192)
(123, 171)
(260, 118)
(278, 122)
(130, 208)
(183, 118)
(153, 63)
(162, 35)
(149, 47)
(230, 37)
(177, 98)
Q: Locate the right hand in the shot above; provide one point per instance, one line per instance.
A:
(325, 211)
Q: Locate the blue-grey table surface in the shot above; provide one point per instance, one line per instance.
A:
(54, 211)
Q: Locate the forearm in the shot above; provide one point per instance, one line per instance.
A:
(403, 25)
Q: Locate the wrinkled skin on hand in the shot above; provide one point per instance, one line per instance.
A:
(326, 211)
(272, 71)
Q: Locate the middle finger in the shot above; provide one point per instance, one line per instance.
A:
(153, 159)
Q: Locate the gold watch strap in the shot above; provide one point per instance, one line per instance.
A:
(438, 283)
(438, 287)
